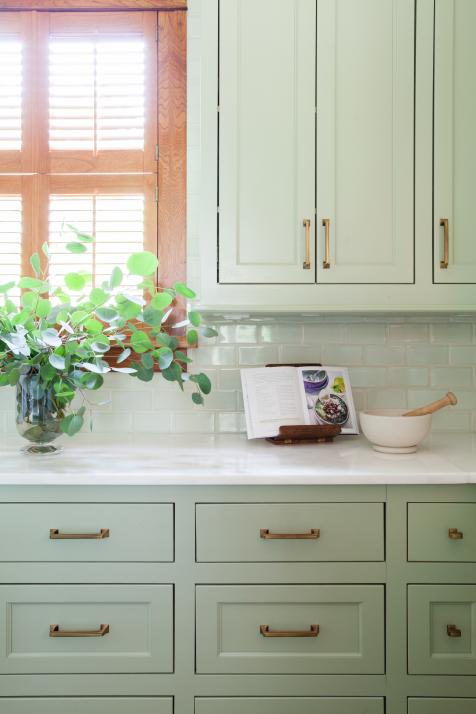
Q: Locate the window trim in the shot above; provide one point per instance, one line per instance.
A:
(93, 5)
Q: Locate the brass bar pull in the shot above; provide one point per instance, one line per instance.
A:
(56, 632)
(56, 535)
(326, 263)
(313, 534)
(307, 260)
(266, 632)
(444, 223)
(453, 631)
(455, 534)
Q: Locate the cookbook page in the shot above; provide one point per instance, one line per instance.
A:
(272, 398)
(328, 398)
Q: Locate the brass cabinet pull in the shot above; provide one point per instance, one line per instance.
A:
(444, 223)
(326, 263)
(453, 631)
(455, 534)
(56, 535)
(307, 260)
(266, 632)
(56, 632)
(313, 534)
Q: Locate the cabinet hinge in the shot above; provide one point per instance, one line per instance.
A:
(156, 194)
(156, 152)
(218, 109)
(218, 209)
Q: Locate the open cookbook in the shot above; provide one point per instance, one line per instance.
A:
(285, 396)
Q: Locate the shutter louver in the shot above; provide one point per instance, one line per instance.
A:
(97, 94)
(11, 231)
(11, 83)
(116, 222)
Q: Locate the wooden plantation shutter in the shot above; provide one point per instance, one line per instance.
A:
(106, 148)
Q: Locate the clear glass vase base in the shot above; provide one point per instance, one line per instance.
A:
(42, 449)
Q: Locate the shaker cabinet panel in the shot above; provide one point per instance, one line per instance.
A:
(442, 532)
(455, 141)
(285, 705)
(441, 706)
(365, 141)
(266, 141)
(87, 705)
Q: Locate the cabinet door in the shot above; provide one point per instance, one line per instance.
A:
(455, 141)
(87, 705)
(266, 140)
(284, 705)
(365, 141)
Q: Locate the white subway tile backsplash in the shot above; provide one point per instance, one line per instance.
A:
(282, 333)
(456, 376)
(408, 332)
(367, 333)
(384, 355)
(452, 333)
(258, 356)
(427, 355)
(323, 333)
(295, 354)
(342, 355)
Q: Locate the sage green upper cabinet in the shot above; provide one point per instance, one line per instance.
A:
(365, 141)
(455, 141)
(266, 141)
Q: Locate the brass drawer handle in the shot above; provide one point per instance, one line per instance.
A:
(326, 263)
(313, 534)
(56, 535)
(444, 223)
(266, 632)
(455, 534)
(307, 260)
(453, 631)
(56, 632)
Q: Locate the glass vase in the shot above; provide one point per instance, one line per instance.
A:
(38, 415)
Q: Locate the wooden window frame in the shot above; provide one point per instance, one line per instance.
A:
(171, 125)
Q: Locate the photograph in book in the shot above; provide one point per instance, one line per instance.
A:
(286, 396)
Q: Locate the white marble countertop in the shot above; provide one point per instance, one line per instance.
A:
(192, 459)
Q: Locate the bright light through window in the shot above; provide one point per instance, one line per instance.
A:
(10, 239)
(10, 94)
(97, 94)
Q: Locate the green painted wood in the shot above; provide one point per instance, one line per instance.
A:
(284, 705)
(138, 532)
(428, 532)
(431, 608)
(350, 618)
(365, 151)
(266, 140)
(87, 705)
(455, 139)
(140, 618)
(441, 706)
(230, 532)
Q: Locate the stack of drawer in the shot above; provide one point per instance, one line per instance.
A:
(84, 628)
(441, 633)
(288, 628)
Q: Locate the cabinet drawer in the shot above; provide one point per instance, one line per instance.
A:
(331, 629)
(134, 532)
(441, 706)
(139, 636)
(441, 636)
(285, 705)
(87, 705)
(442, 532)
(233, 532)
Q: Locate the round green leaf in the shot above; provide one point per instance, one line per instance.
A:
(6, 287)
(197, 398)
(71, 424)
(195, 318)
(140, 342)
(98, 296)
(152, 316)
(93, 326)
(57, 361)
(161, 301)
(184, 290)
(76, 248)
(75, 281)
(33, 284)
(192, 337)
(107, 314)
(116, 278)
(144, 263)
(43, 308)
(92, 381)
(124, 355)
(35, 264)
(165, 356)
(208, 332)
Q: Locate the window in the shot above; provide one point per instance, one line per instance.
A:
(92, 125)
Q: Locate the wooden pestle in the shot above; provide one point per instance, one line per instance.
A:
(446, 401)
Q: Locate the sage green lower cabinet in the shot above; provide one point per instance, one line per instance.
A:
(47, 629)
(441, 634)
(286, 705)
(87, 705)
(441, 706)
(245, 599)
(348, 624)
(258, 532)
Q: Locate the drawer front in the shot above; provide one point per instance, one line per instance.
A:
(137, 532)
(442, 532)
(233, 532)
(139, 636)
(87, 705)
(441, 706)
(441, 637)
(285, 705)
(349, 638)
